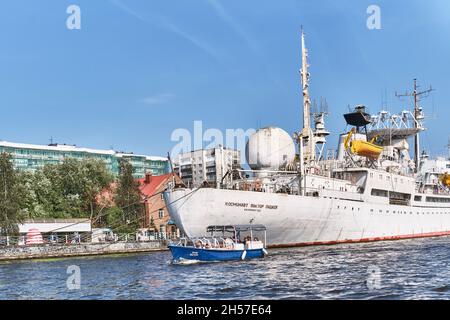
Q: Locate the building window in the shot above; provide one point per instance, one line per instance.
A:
(161, 213)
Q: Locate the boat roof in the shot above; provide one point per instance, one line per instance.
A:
(238, 227)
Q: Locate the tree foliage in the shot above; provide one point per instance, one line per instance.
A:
(66, 190)
(71, 189)
(128, 199)
(11, 197)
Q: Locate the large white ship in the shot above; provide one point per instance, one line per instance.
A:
(371, 190)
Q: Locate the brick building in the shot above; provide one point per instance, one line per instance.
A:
(156, 214)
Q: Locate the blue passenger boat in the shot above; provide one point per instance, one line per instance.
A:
(224, 243)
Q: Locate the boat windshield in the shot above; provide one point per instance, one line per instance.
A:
(236, 228)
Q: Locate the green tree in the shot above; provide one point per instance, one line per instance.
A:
(128, 199)
(66, 190)
(11, 197)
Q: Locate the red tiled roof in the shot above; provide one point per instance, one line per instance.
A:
(149, 189)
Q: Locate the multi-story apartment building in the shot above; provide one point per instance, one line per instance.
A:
(206, 165)
(31, 157)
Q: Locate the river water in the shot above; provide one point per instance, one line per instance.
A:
(409, 269)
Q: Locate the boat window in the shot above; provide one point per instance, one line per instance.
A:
(418, 198)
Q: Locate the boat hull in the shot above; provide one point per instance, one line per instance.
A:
(209, 255)
(293, 220)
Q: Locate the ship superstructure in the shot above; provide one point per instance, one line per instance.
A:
(371, 190)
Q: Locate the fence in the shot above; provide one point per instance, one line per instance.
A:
(86, 238)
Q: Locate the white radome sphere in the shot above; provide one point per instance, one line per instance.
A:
(270, 149)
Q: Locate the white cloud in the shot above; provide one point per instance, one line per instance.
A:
(157, 99)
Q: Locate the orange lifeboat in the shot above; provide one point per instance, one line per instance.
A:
(445, 179)
(363, 148)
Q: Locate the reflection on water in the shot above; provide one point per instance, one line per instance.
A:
(411, 269)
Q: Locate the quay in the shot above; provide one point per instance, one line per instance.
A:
(9, 253)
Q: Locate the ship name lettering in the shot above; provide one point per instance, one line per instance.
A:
(236, 204)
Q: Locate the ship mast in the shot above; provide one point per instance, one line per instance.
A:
(305, 86)
(418, 116)
(448, 146)
(306, 133)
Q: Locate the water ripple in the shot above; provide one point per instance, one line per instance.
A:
(411, 269)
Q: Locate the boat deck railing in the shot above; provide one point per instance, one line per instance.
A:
(205, 242)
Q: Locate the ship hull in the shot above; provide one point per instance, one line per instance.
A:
(293, 220)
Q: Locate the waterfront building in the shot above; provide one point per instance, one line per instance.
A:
(156, 214)
(30, 157)
(206, 165)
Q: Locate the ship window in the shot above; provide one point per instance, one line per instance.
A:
(379, 193)
(440, 200)
(418, 198)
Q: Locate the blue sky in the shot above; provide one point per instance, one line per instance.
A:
(138, 69)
